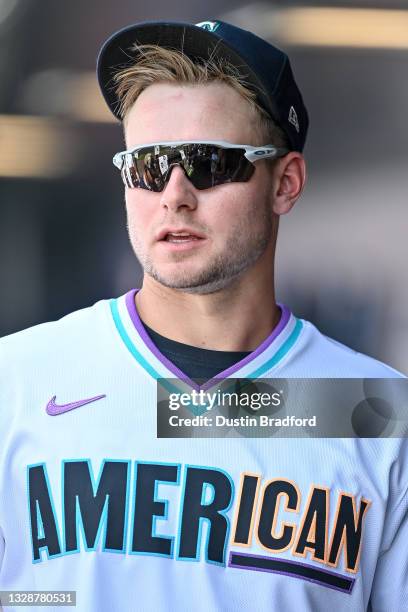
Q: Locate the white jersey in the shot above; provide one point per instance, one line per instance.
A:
(91, 501)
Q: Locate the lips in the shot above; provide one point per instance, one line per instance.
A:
(178, 235)
(180, 238)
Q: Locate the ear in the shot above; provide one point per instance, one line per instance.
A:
(289, 180)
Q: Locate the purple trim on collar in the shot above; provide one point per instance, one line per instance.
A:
(134, 315)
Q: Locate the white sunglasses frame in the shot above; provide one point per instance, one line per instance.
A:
(251, 153)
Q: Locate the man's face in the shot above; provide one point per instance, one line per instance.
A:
(230, 225)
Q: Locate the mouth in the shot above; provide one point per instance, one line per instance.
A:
(180, 236)
(180, 239)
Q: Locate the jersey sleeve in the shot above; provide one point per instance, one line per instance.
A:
(4, 429)
(1, 550)
(390, 585)
(2, 434)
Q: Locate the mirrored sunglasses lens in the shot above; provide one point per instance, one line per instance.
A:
(216, 166)
(205, 165)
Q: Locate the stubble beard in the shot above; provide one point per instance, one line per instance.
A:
(243, 249)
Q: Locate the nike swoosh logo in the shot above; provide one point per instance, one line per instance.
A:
(53, 409)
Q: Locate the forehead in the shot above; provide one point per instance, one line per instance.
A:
(167, 111)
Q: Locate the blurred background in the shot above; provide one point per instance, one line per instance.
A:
(342, 252)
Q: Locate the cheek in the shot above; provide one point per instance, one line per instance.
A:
(245, 214)
(139, 210)
(234, 207)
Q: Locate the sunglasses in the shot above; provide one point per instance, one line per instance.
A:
(205, 163)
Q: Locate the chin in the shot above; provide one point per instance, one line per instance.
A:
(202, 282)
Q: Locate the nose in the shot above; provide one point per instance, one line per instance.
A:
(179, 191)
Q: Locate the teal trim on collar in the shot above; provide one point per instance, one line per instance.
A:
(132, 349)
(128, 342)
(281, 353)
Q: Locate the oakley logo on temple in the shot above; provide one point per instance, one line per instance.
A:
(264, 151)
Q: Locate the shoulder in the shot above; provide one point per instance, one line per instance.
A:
(67, 354)
(52, 339)
(317, 355)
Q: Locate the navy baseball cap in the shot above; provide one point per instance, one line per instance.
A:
(266, 68)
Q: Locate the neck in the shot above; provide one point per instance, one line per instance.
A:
(237, 318)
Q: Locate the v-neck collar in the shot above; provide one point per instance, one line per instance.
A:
(265, 357)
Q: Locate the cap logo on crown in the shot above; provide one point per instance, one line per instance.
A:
(211, 26)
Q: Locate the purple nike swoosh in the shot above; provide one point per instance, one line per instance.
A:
(53, 409)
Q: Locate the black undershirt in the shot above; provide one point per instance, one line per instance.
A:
(199, 364)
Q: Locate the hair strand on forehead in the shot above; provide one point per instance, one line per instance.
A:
(157, 64)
